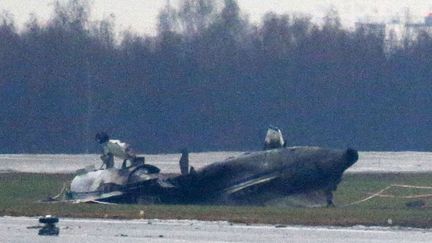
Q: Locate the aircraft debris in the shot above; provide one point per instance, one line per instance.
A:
(274, 138)
(252, 178)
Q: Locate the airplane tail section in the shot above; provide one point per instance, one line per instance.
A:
(184, 162)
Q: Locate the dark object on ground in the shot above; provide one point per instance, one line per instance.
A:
(48, 220)
(49, 228)
(416, 204)
(254, 178)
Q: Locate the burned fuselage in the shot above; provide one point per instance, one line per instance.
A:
(252, 178)
(256, 177)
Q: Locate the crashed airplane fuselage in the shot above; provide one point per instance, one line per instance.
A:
(253, 178)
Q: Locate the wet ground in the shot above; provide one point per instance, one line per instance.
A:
(19, 229)
(168, 163)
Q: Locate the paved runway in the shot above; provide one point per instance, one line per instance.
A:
(16, 229)
(168, 163)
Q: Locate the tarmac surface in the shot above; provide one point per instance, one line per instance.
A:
(168, 163)
(22, 229)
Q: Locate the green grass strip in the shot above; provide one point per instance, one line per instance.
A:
(20, 193)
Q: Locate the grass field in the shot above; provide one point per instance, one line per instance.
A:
(20, 193)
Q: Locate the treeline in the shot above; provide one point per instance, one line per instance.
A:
(209, 80)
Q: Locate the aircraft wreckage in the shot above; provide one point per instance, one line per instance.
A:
(253, 178)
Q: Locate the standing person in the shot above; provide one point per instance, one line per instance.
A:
(115, 148)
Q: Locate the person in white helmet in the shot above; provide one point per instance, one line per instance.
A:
(115, 148)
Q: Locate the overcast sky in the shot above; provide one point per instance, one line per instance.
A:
(140, 15)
